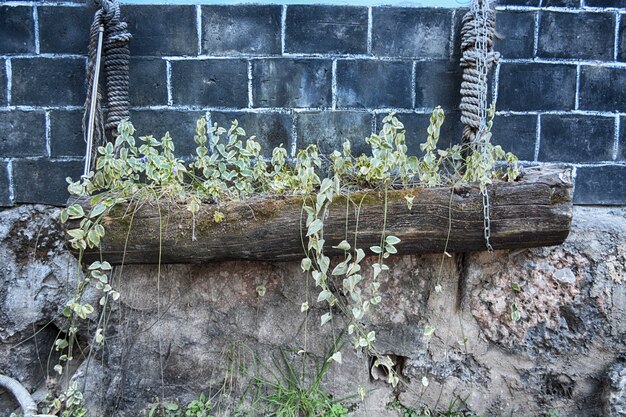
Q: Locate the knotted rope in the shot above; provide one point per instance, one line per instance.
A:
(116, 58)
(477, 36)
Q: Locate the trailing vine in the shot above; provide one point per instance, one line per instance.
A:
(228, 166)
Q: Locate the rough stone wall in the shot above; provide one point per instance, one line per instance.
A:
(298, 74)
(179, 334)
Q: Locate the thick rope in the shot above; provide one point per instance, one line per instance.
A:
(116, 58)
(477, 36)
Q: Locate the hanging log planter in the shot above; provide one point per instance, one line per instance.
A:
(534, 211)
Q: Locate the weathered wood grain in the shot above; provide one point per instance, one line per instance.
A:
(535, 211)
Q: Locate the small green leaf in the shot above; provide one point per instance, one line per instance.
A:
(305, 264)
(325, 295)
(304, 307)
(315, 227)
(325, 318)
(360, 254)
(392, 240)
(336, 357)
(344, 245)
(97, 210)
(340, 269)
(376, 249)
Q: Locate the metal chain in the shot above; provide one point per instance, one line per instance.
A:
(486, 218)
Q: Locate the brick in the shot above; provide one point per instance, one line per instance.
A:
(161, 30)
(64, 30)
(576, 138)
(525, 87)
(561, 35)
(517, 134)
(416, 125)
(561, 3)
(5, 186)
(411, 32)
(43, 181)
(17, 30)
(241, 29)
(371, 84)
(601, 185)
(180, 124)
(218, 83)
(271, 129)
(437, 84)
(602, 88)
(292, 83)
(3, 83)
(328, 130)
(48, 81)
(22, 133)
(66, 133)
(326, 29)
(148, 82)
(605, 3)
(516, 30)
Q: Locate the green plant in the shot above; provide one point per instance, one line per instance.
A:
(68, 404)
(199, 408)
(229, 167)
(291, 394)
(164, 409)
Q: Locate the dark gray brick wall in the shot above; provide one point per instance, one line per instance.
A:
(326, 29)
(296, 75)
(355, 79)
(237, 30)
(22, 133)
(17, 30)
(292, 82)
(410, 32)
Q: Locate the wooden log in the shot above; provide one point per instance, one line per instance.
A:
(534, 211)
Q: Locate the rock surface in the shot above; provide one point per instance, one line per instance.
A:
(180, 330)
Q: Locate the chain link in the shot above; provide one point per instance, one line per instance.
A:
(486, 218)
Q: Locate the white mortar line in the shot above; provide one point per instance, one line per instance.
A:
(11, 182)
(283, 27)
(44, 3)
(36, 22)
(557, 9)
(48, 144)
(557, 61)
(618, 18)
(536, 35)
(9, 74)
(577, 96)
(452, 34)
(239, 57)
(369, 30)
(537, 139)
(199, 27)
(48, 56)
(413, 84)
(334, 85)
(616, 139)
(39, 108)
(250, 98)
(168, 71)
